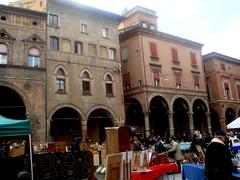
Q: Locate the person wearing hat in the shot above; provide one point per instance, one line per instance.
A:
(218, 163)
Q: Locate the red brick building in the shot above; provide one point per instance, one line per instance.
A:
(223, 83)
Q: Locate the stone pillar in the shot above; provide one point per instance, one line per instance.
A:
(146, 122)
(191, 125)
(223, 123)
(84, 129)
(170, 122)
(208, 114)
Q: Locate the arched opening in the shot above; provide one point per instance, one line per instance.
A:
(135, 116)
(11, 104)
(65, 125)
(199, 116)
(181, 118)
(97, 121)
(229, 115)
(215, 121)
(158, 117)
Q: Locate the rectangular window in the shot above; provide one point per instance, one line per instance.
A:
(238, 91)
(54, 43)
(193, 58)
(78, 48)
(174, 54)
(144, 24)
(109, 90)
(66, 45)
(156, 77)
(223, 67)
(178, 80)
(86, 87)
(3, 58)
(83, 28)
(53, 20)
(126, 82)
(60, 85)
(112, 53)
(103, 52)
(105, 33)
(196, 82)
(124, 53)
(33, 61)
(227, 90)
(153, 48)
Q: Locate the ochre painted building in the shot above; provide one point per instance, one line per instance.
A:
(223, 83)
(163, 78)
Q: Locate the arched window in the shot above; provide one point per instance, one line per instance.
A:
(109, 85)
(86, 83)
(34, 57)
(61, 81)
(3, 54)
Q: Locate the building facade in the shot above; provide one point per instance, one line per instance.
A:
(23, 67)
(85, 92)
(163, 78)
(223, 83)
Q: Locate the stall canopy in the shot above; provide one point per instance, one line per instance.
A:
(9, 127)
(234, 124)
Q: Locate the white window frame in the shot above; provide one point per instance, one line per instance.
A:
(35, 61)
(50, 16)
(3, 58)
(83, 28)
(112, 53)
(105, 32)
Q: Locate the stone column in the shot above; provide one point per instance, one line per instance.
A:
(191, 125)
(146, 122)
(84, 129)
(208, 114)
(223, 123)
(170, 122)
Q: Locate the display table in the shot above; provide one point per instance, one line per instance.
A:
(193, 172)
(196, 172)
(155, 172)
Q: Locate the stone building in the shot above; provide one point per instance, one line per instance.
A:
(84, 91)
(23, 67)
(223, 83)
(163, 78)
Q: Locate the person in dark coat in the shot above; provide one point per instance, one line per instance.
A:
(218, 163)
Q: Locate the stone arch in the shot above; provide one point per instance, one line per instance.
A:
(22, 95)
(86, 70)
(176, 97)
(100, 117)
(62, 67)
(158, 116)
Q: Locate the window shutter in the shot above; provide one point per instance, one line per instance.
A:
(126, 79)
(178, 78)
(153, 48)
(156, 74)
(193, 58)
(196, 80)
(223, 67)
(174, 54)
(238, 91)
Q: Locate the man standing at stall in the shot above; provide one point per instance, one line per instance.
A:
(218, 163)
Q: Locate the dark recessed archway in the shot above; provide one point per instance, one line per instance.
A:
(199, 116)
(181, 118)
(65, 125)
(229, 115)
(11, 104)
(97, 121)
(215, 121)
(158, 116)
(134, 115)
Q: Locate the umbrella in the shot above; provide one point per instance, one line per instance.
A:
(234, 124)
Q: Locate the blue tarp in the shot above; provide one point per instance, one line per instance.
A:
(10, 127)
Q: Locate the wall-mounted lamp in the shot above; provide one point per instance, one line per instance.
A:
(117, 70)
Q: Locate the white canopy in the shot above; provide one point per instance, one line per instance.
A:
(234, 124)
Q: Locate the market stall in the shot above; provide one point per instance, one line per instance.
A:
(15, 147)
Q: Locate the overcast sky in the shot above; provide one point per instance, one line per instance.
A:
(214, 23)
